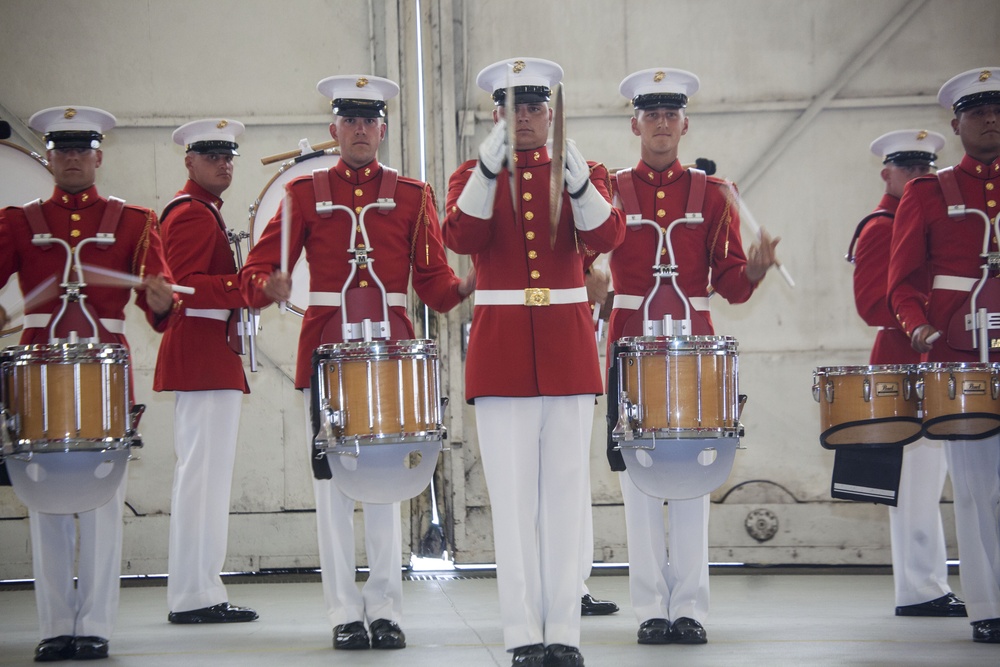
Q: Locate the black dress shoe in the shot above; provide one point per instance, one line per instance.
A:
(90, 648)
(560, 655)
(350, 637)
(220, 613)
(386, 634)
(55, 648)
(532, 655)
(655, 631)
(687, 631)
(591, 607)
(946, 605)
(987, 632)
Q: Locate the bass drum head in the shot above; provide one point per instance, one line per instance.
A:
(267, 205)
(24, 176)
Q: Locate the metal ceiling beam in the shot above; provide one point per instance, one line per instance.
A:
(823, 100)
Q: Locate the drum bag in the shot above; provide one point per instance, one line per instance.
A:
(867, 474)
(320, 464)
(615, 458)
(959, 337)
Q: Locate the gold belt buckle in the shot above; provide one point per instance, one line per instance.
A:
(536, 296)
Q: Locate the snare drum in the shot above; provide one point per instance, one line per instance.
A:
(867, 406)
(961, 400)
(266, 206)
(24, 176)
(679, 386)
(380, 417)
(68, 424)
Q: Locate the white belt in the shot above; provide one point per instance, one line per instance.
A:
(532, 296)
(630, 302)
(220, 314)
(954, 283)
(41, 320)
(333, 299)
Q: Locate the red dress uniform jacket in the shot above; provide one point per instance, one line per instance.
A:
(517, 350)
(407, 237)
(924, 237)
(871, 276)
(709, 252)
(194, 354)
(72, 218)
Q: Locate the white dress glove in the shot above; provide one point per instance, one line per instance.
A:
(492, 151)
(577, 170)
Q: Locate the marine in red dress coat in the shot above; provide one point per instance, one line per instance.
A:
(407, 237)
(194, 354)
(708, 253)
(537, 351)
(926, 239)
(871, 275)
(74, 217)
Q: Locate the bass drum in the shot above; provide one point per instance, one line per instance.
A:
(24, 176)
(266, 206)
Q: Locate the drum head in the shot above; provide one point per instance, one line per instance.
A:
(383, 474)
(680, 469)
(67, 482)
(24, 176)
(266, 207)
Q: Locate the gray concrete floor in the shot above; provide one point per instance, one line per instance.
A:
(758, 617)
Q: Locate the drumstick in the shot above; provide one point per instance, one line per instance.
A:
(44, 291)
(747, 217)
(280, 157)
(933, 337)
(122, 279)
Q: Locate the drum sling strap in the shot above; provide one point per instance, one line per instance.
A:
(861, 225)
(630, 200)
(323, 193)
(40, 228)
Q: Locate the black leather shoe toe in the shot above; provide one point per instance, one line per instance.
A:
(532, 655)
(55, 648)
(386, 634)
(350, 637)
(560, 655)
(90, 648)
(946, 605)
(592, 607)
(220, 613)
(687, 631)
(654, 631)
(987, 632)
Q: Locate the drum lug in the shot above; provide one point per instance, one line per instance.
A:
(628, 419)
(995, 386)
(907, 388)
(866, 390)
(331, 426)
(951, 387)
(829, 392)
(918, 387)
(816, 391)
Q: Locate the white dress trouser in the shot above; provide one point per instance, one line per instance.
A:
(91, 608)
(666, 580)
(919, 557)
(382, 594)
(536, 459)
(975, 478)
(206, 426)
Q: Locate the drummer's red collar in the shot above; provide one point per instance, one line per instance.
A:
(358, 176)
(81, 199)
